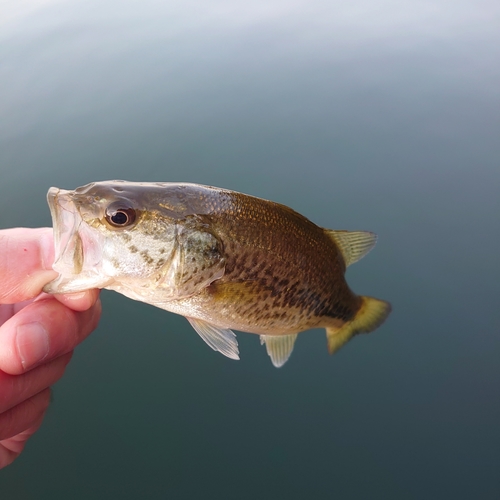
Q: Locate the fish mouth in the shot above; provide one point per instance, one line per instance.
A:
(77, 250)
(67, 242)
(69, 245)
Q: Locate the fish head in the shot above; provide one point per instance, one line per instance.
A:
(142, 239)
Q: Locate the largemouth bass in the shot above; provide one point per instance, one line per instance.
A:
(224, 260)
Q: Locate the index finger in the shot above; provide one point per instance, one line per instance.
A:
(25, 263)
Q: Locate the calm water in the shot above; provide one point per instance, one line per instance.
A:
(381, 116)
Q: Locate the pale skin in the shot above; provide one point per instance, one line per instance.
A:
(38, 333)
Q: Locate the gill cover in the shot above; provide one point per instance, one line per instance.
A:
(196, 261)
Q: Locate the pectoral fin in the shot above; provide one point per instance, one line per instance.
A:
(279, 347)
(219, 339)
(370, 316)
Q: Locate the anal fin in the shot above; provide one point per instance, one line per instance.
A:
(279, 347)
(219, 339)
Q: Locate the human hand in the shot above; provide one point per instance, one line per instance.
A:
(38, 333)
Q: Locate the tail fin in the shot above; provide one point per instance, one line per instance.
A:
(370, 316)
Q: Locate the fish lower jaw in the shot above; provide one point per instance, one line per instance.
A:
(74, 284)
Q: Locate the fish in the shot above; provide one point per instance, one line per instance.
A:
(223, 259)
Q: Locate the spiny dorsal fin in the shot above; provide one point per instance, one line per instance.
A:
(219, 339)
(353, 245)
(370, 316)
(279, 347)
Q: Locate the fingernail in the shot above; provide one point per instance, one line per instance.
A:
(32, 341)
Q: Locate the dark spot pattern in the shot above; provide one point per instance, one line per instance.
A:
(282, 272)
(146, 257)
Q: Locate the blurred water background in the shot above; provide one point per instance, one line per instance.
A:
(382, 116)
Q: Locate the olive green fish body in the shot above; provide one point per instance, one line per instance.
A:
(223, 259)
(283, 274)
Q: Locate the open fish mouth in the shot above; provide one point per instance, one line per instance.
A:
(67, 241)
(77, 246)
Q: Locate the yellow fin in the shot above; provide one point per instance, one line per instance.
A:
(370, 316)
(353, 245)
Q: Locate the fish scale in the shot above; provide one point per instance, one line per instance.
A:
(224, 260)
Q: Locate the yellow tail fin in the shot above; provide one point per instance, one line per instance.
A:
(370, 316)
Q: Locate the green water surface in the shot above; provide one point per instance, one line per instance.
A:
(380, 116)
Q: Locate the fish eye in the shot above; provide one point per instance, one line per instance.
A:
(120, 215)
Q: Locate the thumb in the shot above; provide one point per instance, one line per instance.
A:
(25, 264)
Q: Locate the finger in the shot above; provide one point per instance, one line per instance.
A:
(10, 448)
(24, 415)
(43, 330)
(80, 301)
(14, 389)
(6, 312)
(26, 264)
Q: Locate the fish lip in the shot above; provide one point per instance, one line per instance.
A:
(65, 222)
(54, 213)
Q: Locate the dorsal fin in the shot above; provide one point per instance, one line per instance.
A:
(353, 245)
(279, 347)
